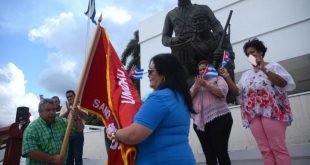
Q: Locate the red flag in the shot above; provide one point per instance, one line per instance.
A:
(107, 91)
(132, 71)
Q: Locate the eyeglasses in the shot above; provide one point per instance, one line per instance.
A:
(150, 71)
(201, 69)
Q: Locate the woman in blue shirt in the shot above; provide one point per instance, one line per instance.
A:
(161, 127)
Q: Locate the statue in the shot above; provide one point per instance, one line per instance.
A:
(197, 34)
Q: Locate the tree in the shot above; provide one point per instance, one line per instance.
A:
(132, 50)
(93, 119)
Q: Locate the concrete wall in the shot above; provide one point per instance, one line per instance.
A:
(94, 143)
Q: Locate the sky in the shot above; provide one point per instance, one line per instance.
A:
(43, 45)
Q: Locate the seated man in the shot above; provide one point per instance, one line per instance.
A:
(43, 137)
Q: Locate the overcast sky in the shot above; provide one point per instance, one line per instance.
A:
(43, 45)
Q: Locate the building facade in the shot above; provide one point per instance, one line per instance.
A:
(283, 25)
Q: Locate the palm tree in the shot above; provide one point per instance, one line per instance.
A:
(133, 50)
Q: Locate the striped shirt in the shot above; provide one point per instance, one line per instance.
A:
(39, 136)
(207, 105)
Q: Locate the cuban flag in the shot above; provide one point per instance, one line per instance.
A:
(227, 56)
(210, 72)
(91, 11)
(136, 73)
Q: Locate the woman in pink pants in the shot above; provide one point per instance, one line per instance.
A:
(265, 108)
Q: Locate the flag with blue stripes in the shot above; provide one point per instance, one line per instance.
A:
(210, 72)
(227, 57)
(91, 11)
(136, 73)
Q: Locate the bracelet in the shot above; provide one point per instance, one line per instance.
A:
(114, 135)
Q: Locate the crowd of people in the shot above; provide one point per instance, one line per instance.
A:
(160, 129)
(42, 139)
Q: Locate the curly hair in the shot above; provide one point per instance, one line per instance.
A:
(256, 44)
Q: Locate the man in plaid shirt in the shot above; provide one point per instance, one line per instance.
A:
(43, 137)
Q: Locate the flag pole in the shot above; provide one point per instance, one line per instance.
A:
(90, 55)
(87, 35)
(87, 30)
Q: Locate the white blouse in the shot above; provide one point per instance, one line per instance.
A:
(259, 96)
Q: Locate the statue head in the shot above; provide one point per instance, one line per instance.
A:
(200, 21)
(182, 3)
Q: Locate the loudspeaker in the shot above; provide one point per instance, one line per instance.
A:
(22, 114)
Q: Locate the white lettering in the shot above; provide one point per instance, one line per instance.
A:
(102, 107)
(126, 96)
(96, 103)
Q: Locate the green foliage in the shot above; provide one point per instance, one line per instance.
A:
(2, 141)
(93, 119)
(133, 50)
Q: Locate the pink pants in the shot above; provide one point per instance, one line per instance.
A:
(270, 138)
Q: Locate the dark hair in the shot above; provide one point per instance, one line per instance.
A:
(203, 62)
(256, 44)
(70, 91)
(43, 102)
(55, 97)
(175, 76)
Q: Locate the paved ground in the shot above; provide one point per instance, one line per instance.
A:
(299, 152)
(85, 161)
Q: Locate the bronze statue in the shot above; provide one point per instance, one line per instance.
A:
(197, 34)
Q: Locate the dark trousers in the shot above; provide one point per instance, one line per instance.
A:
(214, 140)
(107, 142)
(76, 143)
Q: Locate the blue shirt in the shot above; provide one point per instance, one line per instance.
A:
(166, 113)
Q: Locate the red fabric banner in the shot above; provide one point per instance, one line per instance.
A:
(108, 92)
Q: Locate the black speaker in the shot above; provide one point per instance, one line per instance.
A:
(22, 114)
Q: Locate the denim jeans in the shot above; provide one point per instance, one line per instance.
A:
(107, 142)
(76, 143)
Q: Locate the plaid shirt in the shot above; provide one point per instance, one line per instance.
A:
(39, 136)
